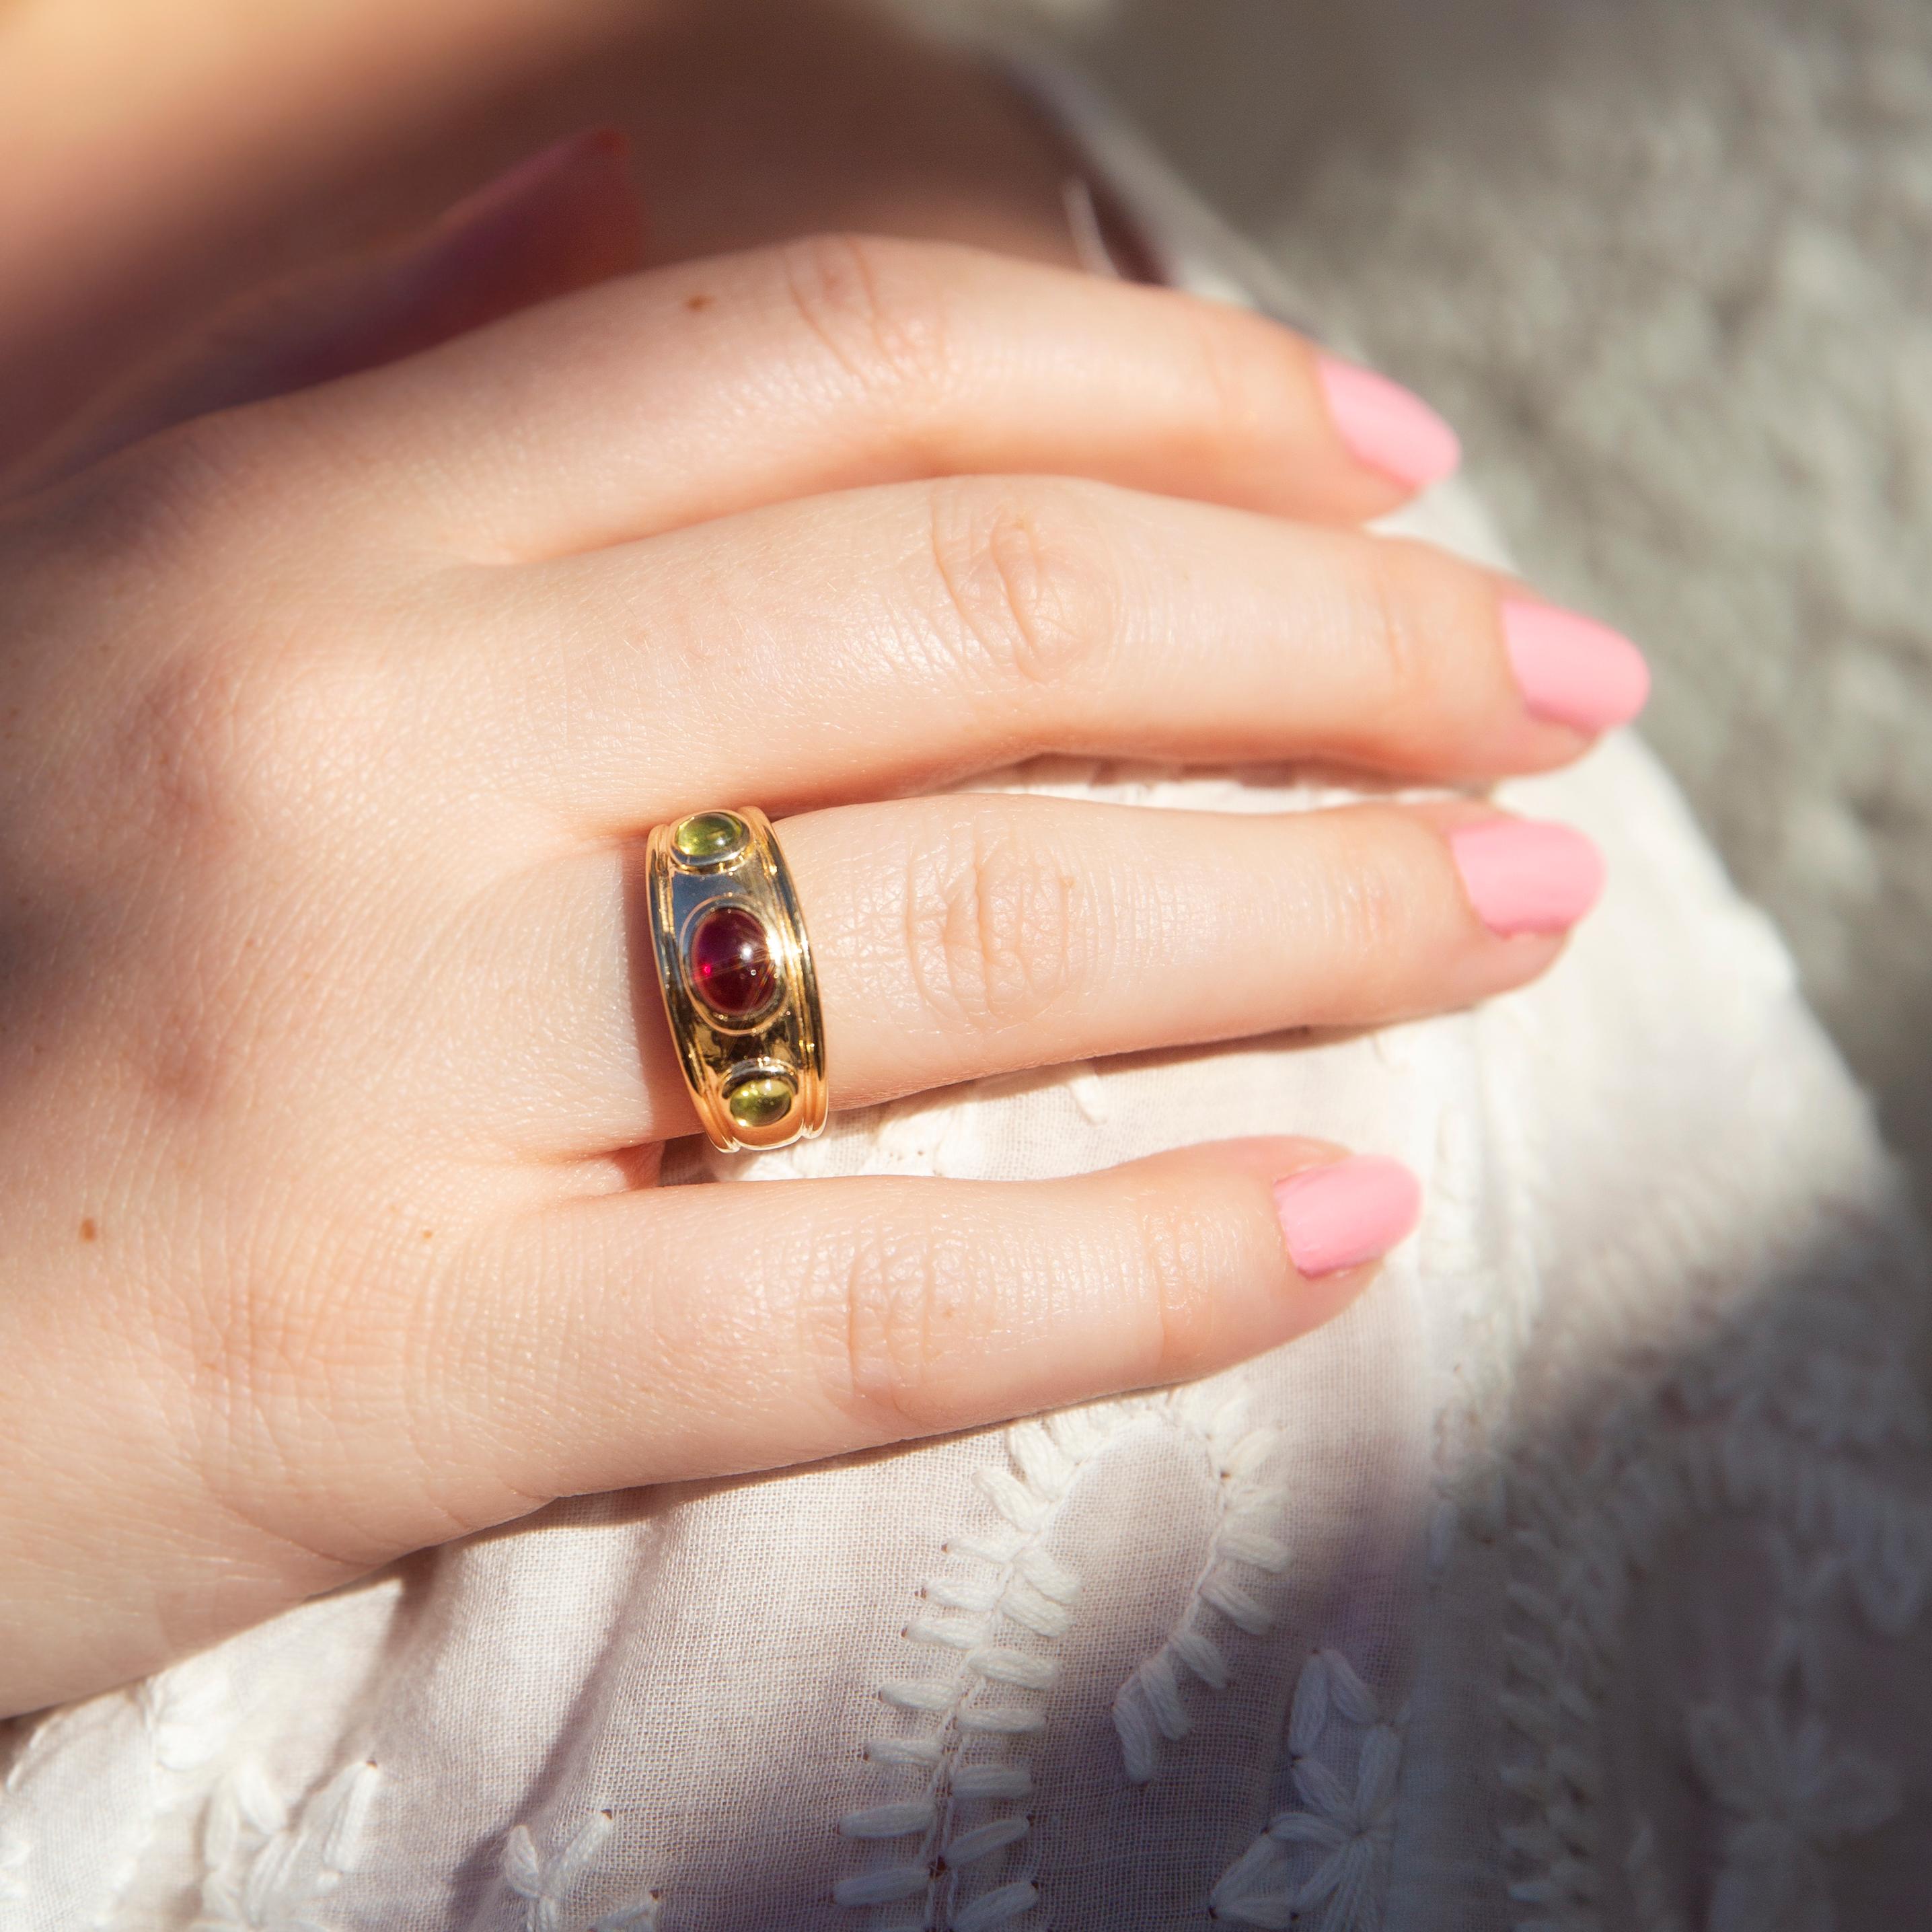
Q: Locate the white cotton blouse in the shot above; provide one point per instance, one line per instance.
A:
(1577, 1578)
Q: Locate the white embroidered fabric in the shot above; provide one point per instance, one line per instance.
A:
(1575, 1581)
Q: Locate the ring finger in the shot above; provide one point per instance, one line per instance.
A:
(969, 934)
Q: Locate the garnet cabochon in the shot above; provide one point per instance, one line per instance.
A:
(730, 964)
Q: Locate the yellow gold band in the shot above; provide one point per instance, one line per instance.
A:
(735, 968)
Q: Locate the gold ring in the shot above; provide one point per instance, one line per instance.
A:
(735, 969)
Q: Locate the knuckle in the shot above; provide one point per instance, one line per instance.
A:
(1418, 611)
(228, 747)
(1184, 1259)
(999, 930)
(879, 309)
(1381, 574)
(1030, 589)
(1373, 911)
(1241, 389)
(224, 687)
(906, 1308)
(242, 779)
(193, 493)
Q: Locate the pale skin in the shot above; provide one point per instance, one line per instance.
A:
(333, 1097)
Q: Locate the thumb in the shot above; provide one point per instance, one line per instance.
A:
(560, 221)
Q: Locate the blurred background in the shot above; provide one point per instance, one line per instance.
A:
(1668, 267)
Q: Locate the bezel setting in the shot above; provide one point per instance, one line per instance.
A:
(759, 1054)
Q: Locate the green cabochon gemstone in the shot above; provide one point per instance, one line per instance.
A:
(760, 1102)
(708, 834)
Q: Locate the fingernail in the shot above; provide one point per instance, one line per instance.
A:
(606, 146)
(1572, 670)
(1350, 1212)
(1526, 876)
(1387, 428)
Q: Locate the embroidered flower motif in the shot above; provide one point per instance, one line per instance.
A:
(1798, 1630)
(1328, 1682)
(544, 1884)
(1353, 1830)
(1348, 1828)
(1789, 1795)
(269, 1872)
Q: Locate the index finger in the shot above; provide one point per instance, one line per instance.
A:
(715, 386)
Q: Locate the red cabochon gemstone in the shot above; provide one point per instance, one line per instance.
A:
(731, 969)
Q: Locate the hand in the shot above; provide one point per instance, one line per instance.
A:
(331, 1074)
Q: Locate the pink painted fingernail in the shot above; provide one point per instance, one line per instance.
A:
(1572, 670)
(1350, 1212)
(1387, 428)
(1526, 876)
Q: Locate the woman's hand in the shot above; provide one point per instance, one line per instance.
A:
(332, 1075)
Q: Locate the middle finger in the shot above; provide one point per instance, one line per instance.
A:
(883, 639)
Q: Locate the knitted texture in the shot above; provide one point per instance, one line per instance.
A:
(1665, 266)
